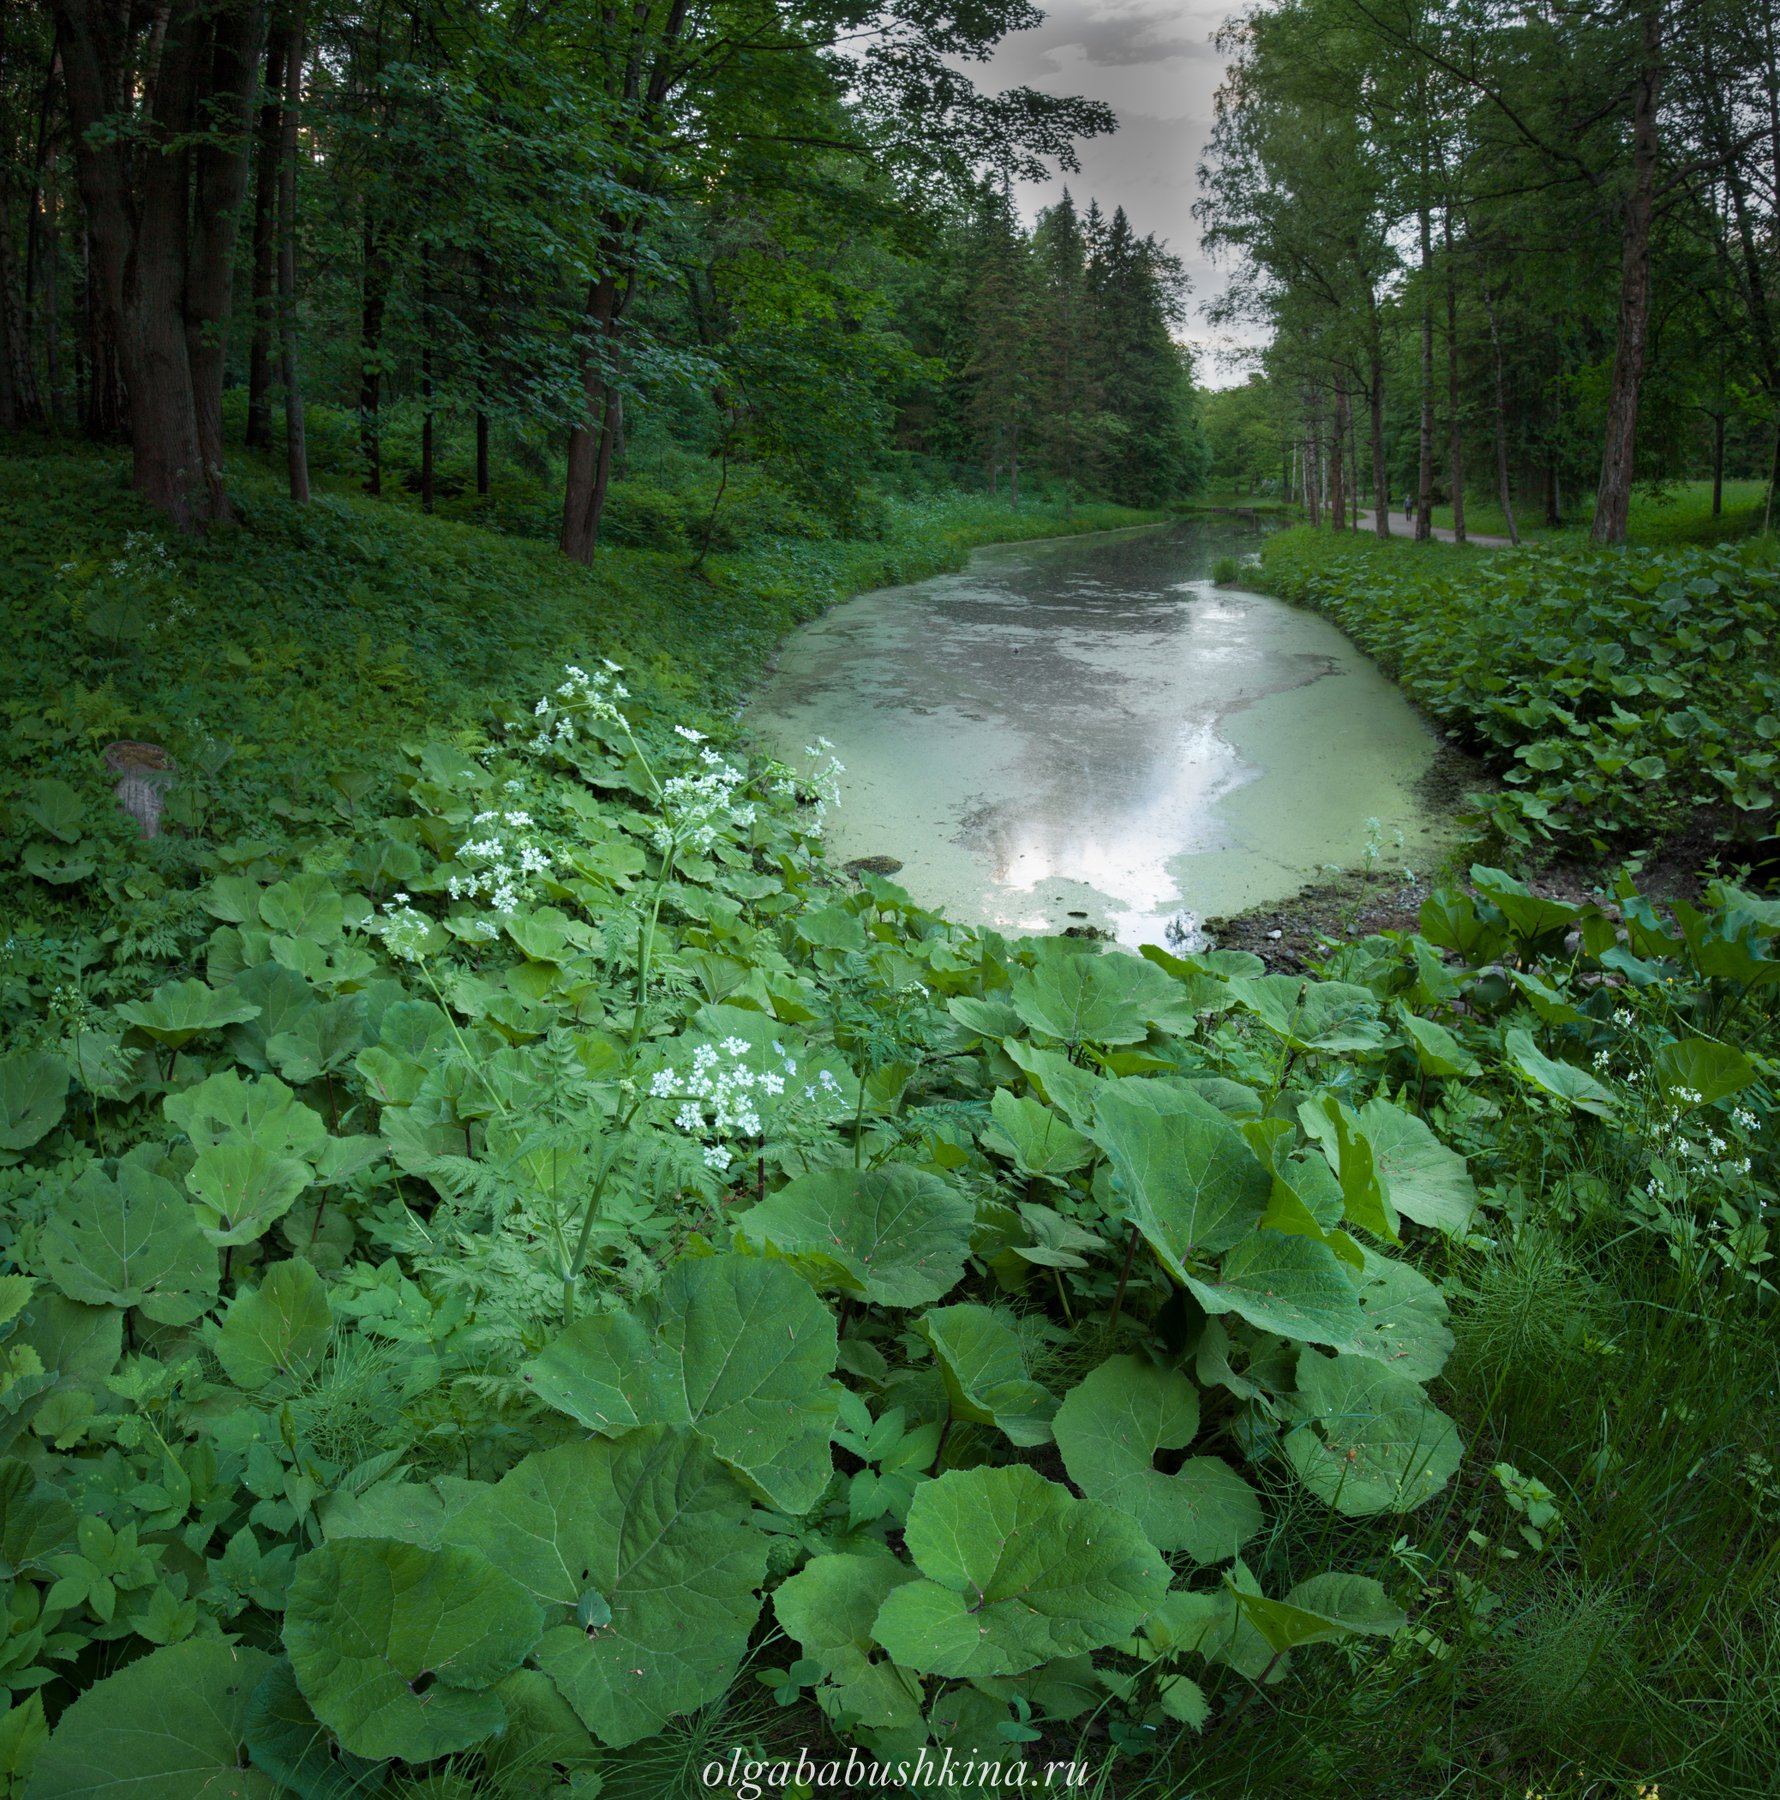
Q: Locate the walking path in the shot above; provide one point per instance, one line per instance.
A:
(1406, 528)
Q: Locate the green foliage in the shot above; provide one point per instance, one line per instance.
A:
(1623, 697)
(662, 1239)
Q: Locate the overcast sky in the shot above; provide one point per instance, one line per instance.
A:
(1153, 62)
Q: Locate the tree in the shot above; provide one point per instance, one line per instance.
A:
(159, 102)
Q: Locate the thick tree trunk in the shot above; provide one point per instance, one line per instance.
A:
(268, 134)
(426, 404)
(105, 402)
(296, 446)
(20, 401)
(1613, 494)
(584, 493)
(219, 187)
(155, 142)
(1424, 480)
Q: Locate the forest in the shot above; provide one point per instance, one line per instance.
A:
(520, 248)
(538, 1254)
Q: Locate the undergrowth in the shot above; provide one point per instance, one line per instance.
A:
(521, 1281)
(1624, 697)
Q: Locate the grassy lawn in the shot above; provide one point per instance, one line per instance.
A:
(1679, 514)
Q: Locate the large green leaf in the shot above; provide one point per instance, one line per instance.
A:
(1437, 1050)
(54, 807)
(1037, 1140)
(1016, 1572)
(1405, 1316)
(1368, 1441)
(1071, 1090)
(1324, 1016)
(736, 1347)
(290, 1744)
(1562, 1079)
(306, 906)
(1083, 998)
(830, 1606)
(1423, 1179)
(36, 1519)
(277, 1332)
(130, 1240)
(988, 1379)
(224, 1109)
(33, 1093)
(1417, 1175)
(1109, 1429)
(169, 1726)
(182, 1010)
(656, 1528)
(1191, 1183)
(240, 1191)
(896, 1236)
(1323, 1610)
(397, 1647)
(1701, 1068)
(1287, 1284)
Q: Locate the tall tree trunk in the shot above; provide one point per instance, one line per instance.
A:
(1381, 499)
(1337, 446)
(52, 304)
(1613, 494)
(1554, 508)
(1424, 480)
(105, 408)
(1455, 430)
(219, 187)
(268, 134)
(373, 300)
(296, 447)
(584, 494)
(1013, 467)
(1503, 486)
(19, 401)
(1717, 464)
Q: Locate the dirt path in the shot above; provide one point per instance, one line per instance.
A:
(1406, 528)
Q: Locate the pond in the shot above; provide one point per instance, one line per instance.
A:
(1088, 731)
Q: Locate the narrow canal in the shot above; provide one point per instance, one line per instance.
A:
(1087, 730)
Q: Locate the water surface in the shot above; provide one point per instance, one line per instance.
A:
(1087, 730)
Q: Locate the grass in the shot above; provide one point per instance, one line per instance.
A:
(1223, 499)
(305, 644)
(1678, 513)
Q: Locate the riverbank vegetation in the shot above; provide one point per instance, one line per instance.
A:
(1626, 699)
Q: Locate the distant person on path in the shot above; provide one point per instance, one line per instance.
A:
(1409, 506)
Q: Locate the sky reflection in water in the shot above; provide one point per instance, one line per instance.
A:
(1089, 727)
